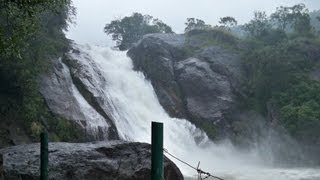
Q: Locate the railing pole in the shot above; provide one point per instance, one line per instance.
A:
(1, 168)
(157, 151)
(44, 156)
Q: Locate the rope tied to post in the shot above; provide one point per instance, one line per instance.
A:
(200, 172)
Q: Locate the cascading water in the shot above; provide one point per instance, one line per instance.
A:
(133, 104)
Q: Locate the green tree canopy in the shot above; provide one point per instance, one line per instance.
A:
(228, 21)
(259, 25)
(21, 19)
(315, 20)
(131, 29)
(193, 23)
(296, 17)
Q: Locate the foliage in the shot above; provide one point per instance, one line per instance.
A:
(193, 24)
(281, 17)
(36, 129)
(315, 20)
(300, 109)
(31, 35)
(271, 69)
(228, 22)
(258, 26)
(296, 17)
(277, 65)
(212, 37)
(20, 21)
(131, 29)
(66, 130)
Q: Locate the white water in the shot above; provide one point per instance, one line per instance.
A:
(134, 105)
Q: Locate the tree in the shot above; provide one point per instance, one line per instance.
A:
(259, 26)
(281, 17)
(20, 20)
(228, 21)
(193, 23)
(300, 18)
(296, 17)
(131, 29)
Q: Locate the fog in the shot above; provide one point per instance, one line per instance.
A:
(94, 14)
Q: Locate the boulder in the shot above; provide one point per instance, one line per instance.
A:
(207, 94)
(85, 161)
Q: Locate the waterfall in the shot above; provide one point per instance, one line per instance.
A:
(132, 104)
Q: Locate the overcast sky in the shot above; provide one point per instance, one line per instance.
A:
(92, 15)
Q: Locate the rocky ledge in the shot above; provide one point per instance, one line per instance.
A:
(85, 161)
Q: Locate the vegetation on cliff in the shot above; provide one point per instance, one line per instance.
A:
(31, 35)
(279, 54)
(282, 51)
(131, 29)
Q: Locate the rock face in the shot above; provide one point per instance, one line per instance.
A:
(198, 83)
(89, 80)
(65, 100)
(85, 161)
(154, 56)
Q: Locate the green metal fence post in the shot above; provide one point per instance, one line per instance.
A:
(44, 156)
(157, 151)
(1, 168)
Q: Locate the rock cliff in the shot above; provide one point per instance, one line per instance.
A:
(193, 81)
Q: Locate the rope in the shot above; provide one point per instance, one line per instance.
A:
(199, 171)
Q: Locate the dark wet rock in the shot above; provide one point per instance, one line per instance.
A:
(198, 83)
(85, 161)
(207, 93)
(155, 55)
